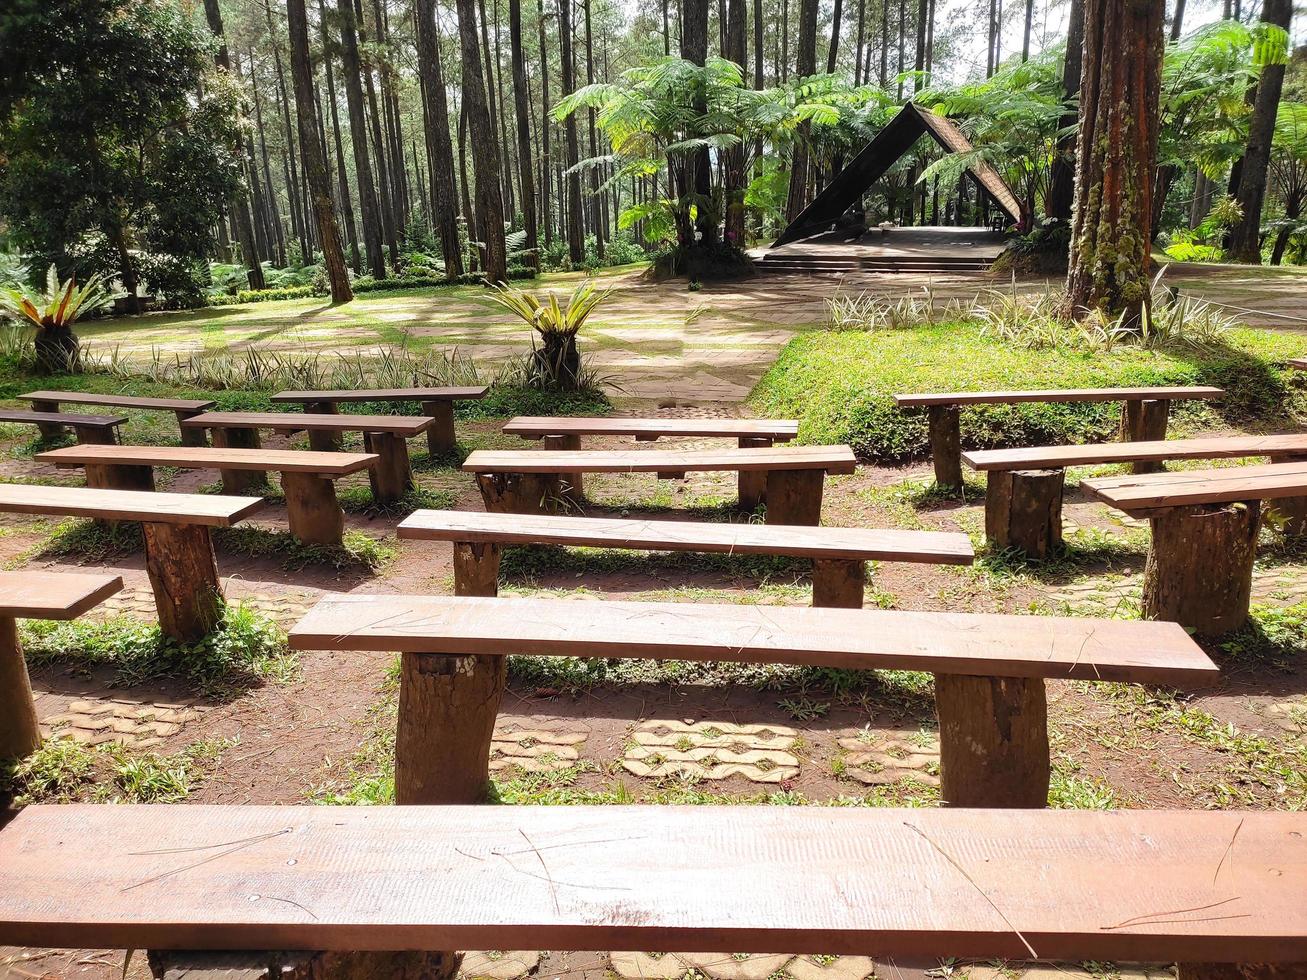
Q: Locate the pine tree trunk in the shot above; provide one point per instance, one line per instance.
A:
(596, 199)
(833, 52)
(1061, 191)
(299, 226)
(523, 92)
(733, 162)
(546, 130)
(574, 218)
(440, 148)
(358, 134)
(346, 199)
(1111, 238)
(805, 65)
(485, 148)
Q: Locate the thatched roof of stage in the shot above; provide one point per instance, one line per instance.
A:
(891, 143)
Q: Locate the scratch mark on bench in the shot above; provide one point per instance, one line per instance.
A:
(1229, 849)
(1151, 918)
(235, 846)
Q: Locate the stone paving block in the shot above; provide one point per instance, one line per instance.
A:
(881, 758)
(499, 965)
(711, 750)
(737, 966)
(831, 968)
(535, 749)
(647, 966)
(97, 721)
(1289, 715)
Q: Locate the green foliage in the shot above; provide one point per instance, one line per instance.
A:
(555, 364)
(64, 771)
(60, 305)
(840, 385)
(268, 295)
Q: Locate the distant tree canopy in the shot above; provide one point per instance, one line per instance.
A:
(118, 137)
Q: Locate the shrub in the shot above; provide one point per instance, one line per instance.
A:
(283, 292)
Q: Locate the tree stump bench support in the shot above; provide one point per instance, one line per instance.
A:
(1145, 421)
(1023, 510)
(184, 575)
(1290, 513)
(945, 432)
(35, 595)
(989, 669)
(752, 484)
(324, 440)
(240, 481)
(182, 408)
(571, 486)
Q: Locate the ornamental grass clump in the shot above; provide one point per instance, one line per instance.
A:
(554, 362)
(53, 313)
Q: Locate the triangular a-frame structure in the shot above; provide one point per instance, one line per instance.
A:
(869, 166)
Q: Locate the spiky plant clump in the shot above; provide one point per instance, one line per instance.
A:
(53, 313)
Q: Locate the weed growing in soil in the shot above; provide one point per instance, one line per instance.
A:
(94, 541)
(356, 550)
(358, 500)
(63, 771)
(244, 649)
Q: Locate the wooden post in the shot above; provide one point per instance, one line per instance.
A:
(312, 508)
(1023, 510)
(192, 435)
(1145, 421)
(753, 483)
(184, 575)
(519, 493)
(391, 476)
(1200, 566)
(571, 486)
(49, 430)
(993, 741)
(476, 568)
(1290, 513)
(946, 443)
(324, 440)
(794, 496)
(19, 732)
(240, 481)
(440, 437)
(95, 435)
(185, 964)
(838, 584)
(118, 476)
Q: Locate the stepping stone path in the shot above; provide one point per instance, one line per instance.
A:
(1105, 595)
(711, 750)
(879, 759)
(534, 749)
(121, 721)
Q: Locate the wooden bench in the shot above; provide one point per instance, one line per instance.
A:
(89, 429)
(307, 478)
(566, 433)
(1299, 362)
(1205, 525)
(839, 554)
(391, 476)
(989, 670)
(1209, 889)
(1023, 496)
(530, 482)
(1143, 417)
(183, 408)
(437, 403)
(178, 548)
(35, 595)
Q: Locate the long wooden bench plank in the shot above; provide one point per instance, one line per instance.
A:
(1154, 491)
(63, 418)
(184, 457)
(837, 543)
(1008, 884)
(533, 427)
(118, 401)
(128, 505)
(1056, 457)
(1057, 395)
(956, 643)
(53, 595)
(447, 393)
(1299, 362)
(404, 425)
(832, 459)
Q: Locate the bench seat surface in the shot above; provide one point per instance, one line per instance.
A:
(63, 418)
(118, 401)
(1206, 886)
(950, 643)
(204, 457)
(1156, 491)
(1040, 457)
(385, 394)
(1056, 395)
(845, 543)
(128, 505)
(533, 425)
(832, 459)
(404, 425)
(1299, 362)
(53, 595)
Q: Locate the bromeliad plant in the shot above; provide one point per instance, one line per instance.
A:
(555, 363)
(53, 313)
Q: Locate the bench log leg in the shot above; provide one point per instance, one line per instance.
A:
(794, 496)
(946, 444)
(1290, 513)
(322, 440)
(95, 435)
(191, 435)
(1023, 510)
(440, 437)
(476, 568)
(1241, 971)
(240, 481)
(838, 584)
(571, 486)
(169, 964)
(753, 483)
(19, 732)
(184, 576)
(993, 741)
(519, 493)
(115, 476)
(391, 477)
(1200, 566)
(49, 430)
(1145, 421)
(312, 508)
